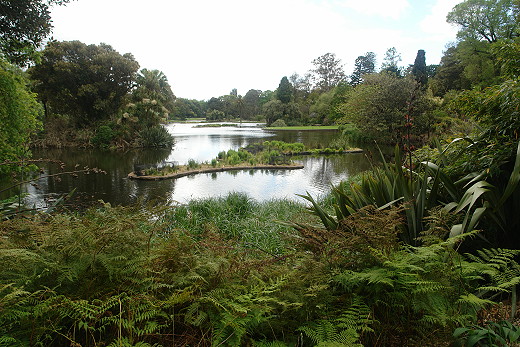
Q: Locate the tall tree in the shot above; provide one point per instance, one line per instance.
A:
(88, 82)
(24, 24)
(251, 103)
(364, 64)
(489, 20)
(153, 84)
(419, 69)
(328, 71)
(285, 91)
(391, 62)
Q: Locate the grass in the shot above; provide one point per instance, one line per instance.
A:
(309, 127)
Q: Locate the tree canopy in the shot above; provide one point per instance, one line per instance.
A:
(328, 71)
(489, 20)
(284, 92)
(88, 82)
(364, 64)
(24, 24)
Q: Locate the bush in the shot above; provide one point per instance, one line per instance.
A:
(156, 136)
(192, 164)
(279, 123)
(103, 137)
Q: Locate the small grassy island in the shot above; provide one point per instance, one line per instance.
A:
(259, 156)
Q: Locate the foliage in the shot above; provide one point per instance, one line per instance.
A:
(19, 113)
(489, 20)
(24, 26)
(88, 82)
(215, 115)
(275, 109)
(285, 91)
(419, 68)
(103, 136)
(153, 85)
(328, 71)
(377, 106)
(156, 136)
(491, 335)
(364, 64)
(278, 123)
(391, 62)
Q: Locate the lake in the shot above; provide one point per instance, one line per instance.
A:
(200, 144)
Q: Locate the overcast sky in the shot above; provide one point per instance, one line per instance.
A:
(208, 47)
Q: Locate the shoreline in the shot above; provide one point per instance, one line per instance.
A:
(134, 176)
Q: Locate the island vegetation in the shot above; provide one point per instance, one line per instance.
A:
(422, 250)
(259, 156)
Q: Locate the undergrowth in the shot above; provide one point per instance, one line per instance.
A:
(229, 272)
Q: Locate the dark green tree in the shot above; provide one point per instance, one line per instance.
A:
(87, 82)
(24, 24)
(450, 74)
(419, 69)
(251, 103)
(285, 91)
(489, 20)
(328, 72)
(364, 64)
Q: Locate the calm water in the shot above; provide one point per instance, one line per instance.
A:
(201, 144)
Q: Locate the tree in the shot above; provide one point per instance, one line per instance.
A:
(489, 20)
(391, 62)
(364, 64)
(153, 84)
(419, 69)
(19, 111)
(88, 83)
(302, 86)
(284, 91)
(450, 74)
(24, 24)
(377, 106)
(328, 71)
(251, 103)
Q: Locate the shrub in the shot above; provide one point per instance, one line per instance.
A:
(192, 164)
(104, 135)
(279, 123)
(156, 136)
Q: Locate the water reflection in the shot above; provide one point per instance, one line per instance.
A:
(201, 144)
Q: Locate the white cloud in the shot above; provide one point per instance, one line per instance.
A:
(435, 22)
(384, 8)
(208, 47)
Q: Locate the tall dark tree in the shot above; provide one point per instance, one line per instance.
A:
(285, 91)
(88, 82)
(251, 103)
(24, 24)
(328, 71)
(419, 69)
(364, 64)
